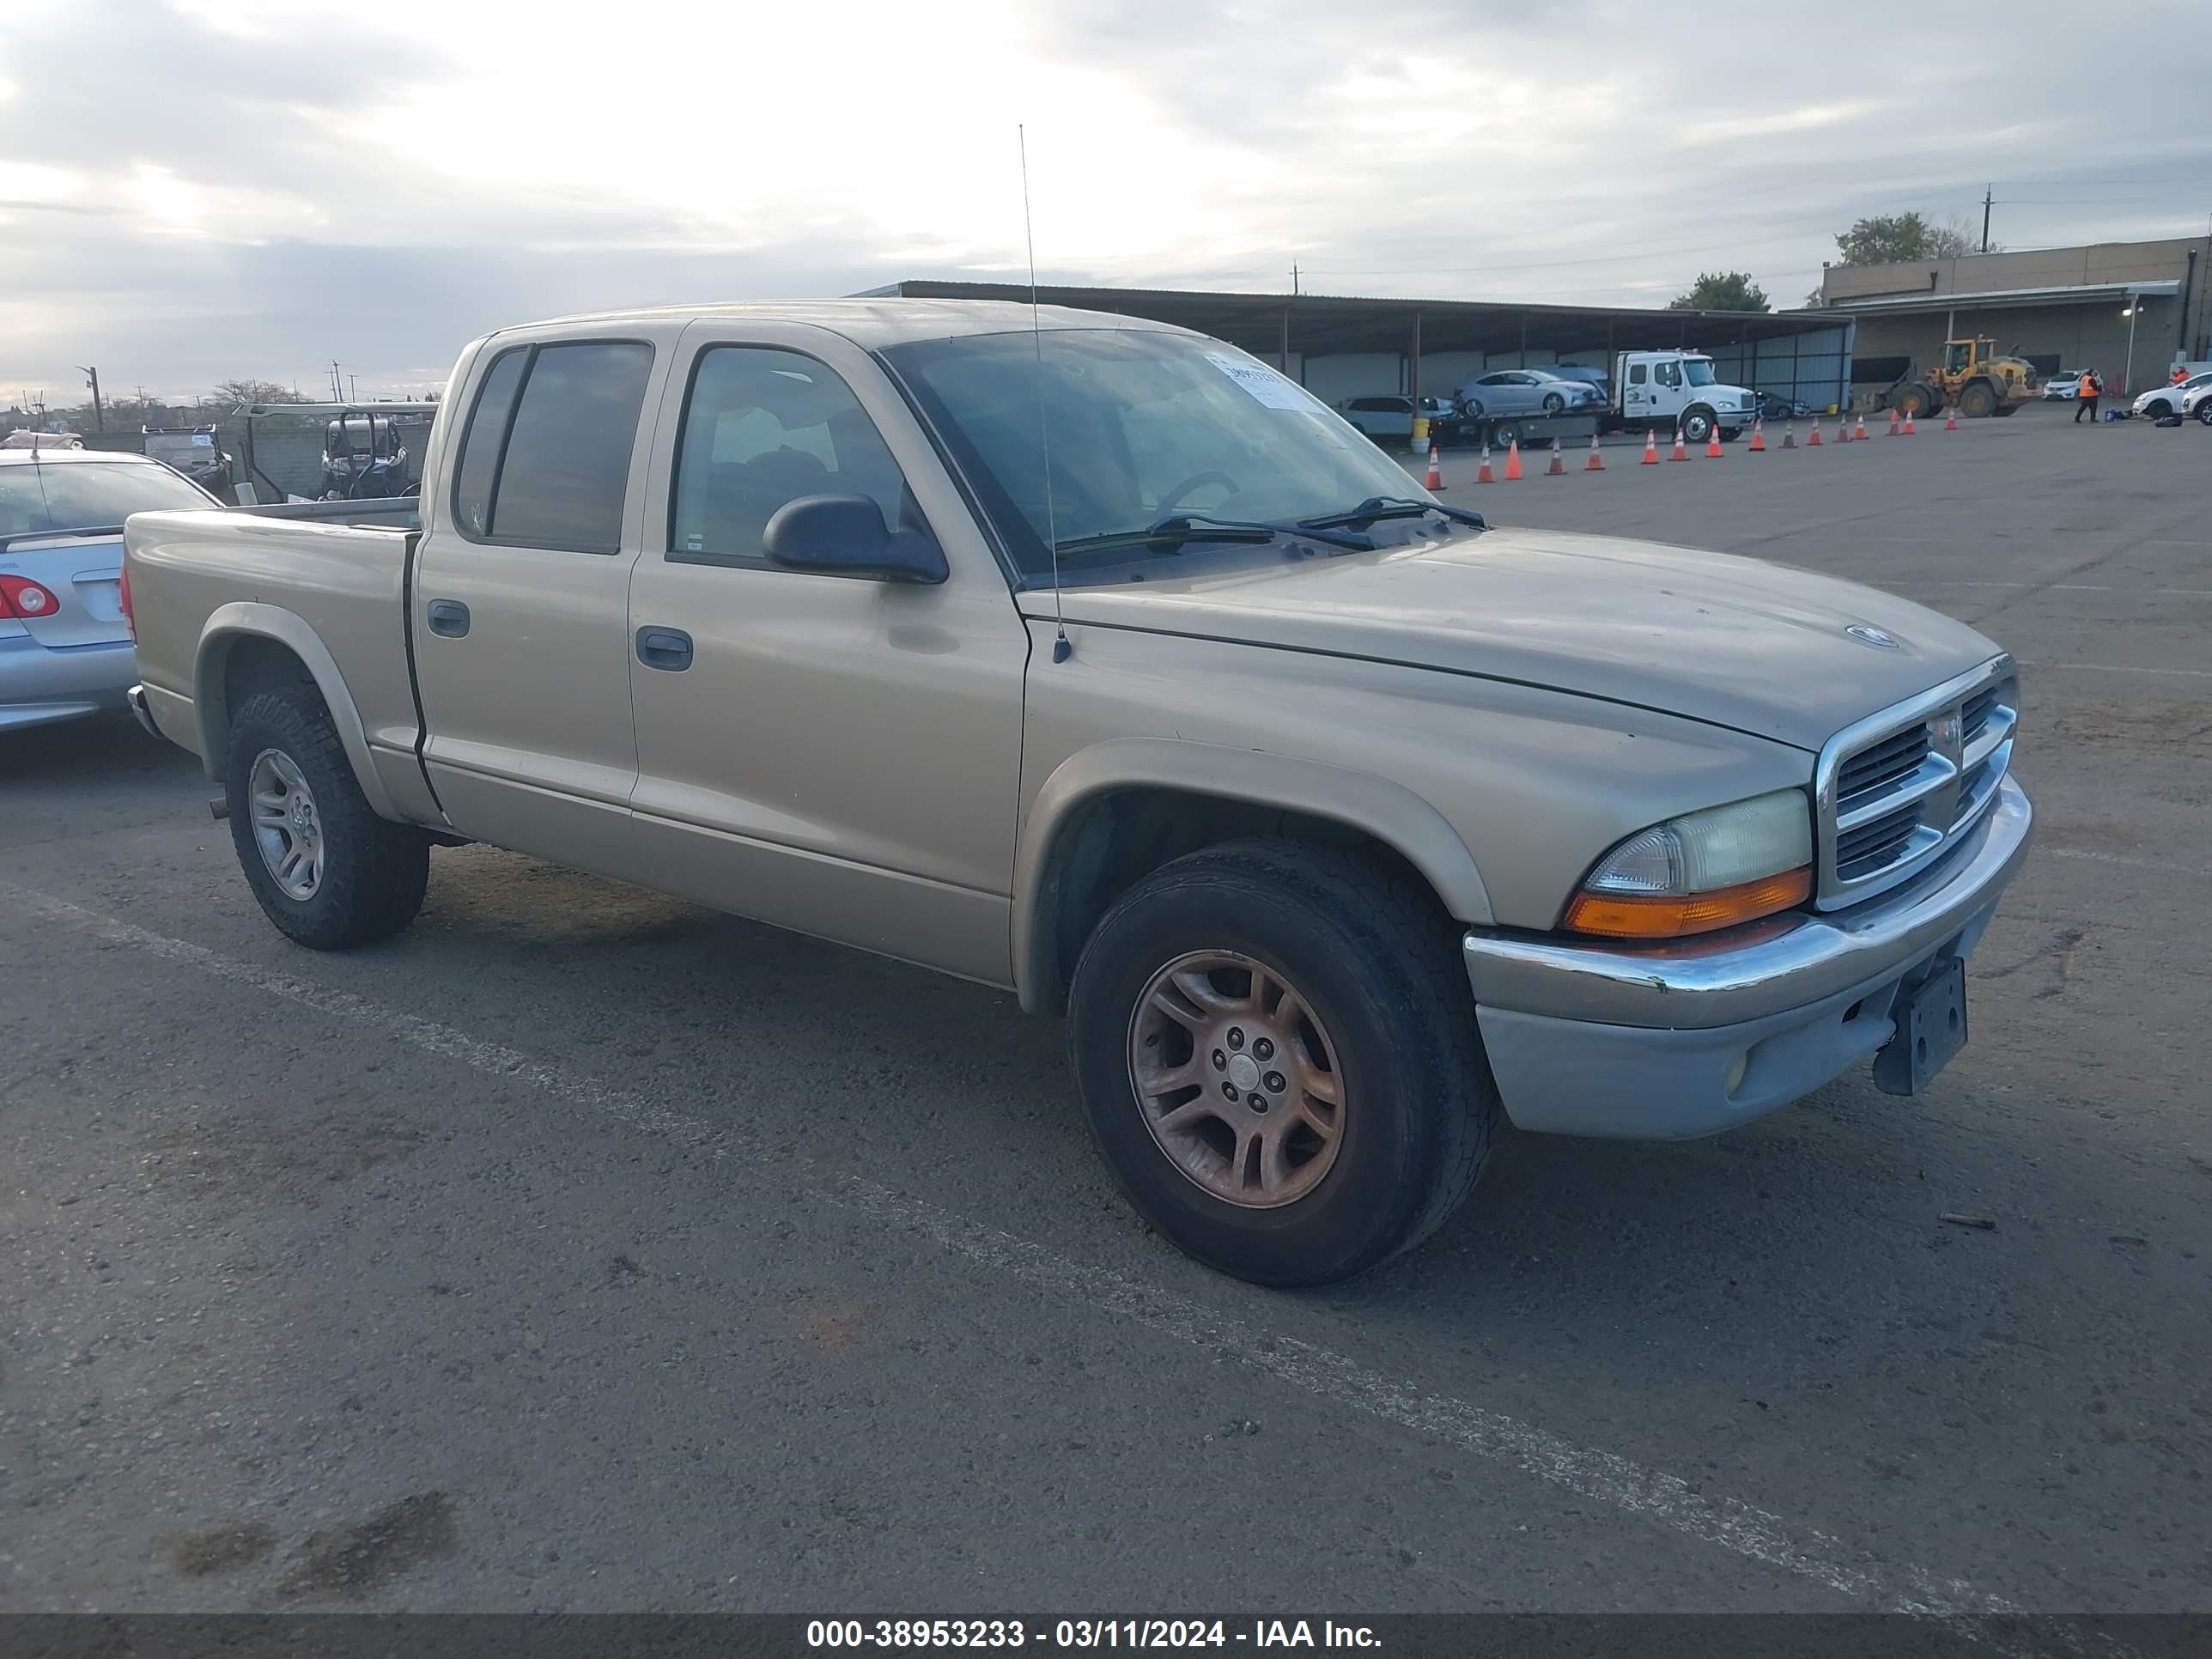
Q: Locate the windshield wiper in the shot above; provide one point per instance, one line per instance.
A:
(1393, 507)
(1177, 528)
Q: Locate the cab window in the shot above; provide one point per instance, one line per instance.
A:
(545, 458)
(762, 427)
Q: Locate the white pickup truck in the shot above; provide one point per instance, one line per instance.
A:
(1341, 827)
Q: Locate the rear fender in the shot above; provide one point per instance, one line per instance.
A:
(228, 626)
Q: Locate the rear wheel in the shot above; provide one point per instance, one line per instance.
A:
(327, 871)
(1978, 400)
(1504, 433)
(1277, 1056)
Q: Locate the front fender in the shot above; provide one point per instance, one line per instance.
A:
(1388, 812)
(242, 620)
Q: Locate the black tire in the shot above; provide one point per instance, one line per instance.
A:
(1504, 432)
(1915, 401)
(1697, 423)
(1730, 434)
(1979, 401)
(1376, 961)
(1554, 404)
(373, 873)
(2204, 411)
(2158, 409)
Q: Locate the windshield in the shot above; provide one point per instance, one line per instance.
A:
(1140, 425)
(1543, 374)
(87, 494)
(1699, 371)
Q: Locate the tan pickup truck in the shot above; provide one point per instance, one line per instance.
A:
(1094, 658)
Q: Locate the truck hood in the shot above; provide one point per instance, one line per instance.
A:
(1732, 642)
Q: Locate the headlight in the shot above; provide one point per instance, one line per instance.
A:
(1701, 872)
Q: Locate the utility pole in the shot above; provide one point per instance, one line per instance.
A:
(352, 388)
(1294, 279)
(1989, 197)
(99, 414)
(338, 387)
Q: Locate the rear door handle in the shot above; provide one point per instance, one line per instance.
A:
(449, 619)
(665, 647)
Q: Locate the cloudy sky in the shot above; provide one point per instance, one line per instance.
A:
(234, 187)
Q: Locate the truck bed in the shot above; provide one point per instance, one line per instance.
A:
(329, 580)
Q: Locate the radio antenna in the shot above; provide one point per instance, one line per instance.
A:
(1062, 650)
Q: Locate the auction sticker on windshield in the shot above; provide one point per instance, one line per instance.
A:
(1263, 383)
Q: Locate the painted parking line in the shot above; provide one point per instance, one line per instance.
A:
(1656, 1496)
(2122, 668)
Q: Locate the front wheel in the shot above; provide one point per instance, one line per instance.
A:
(327, 871)
(2204, 411)
(1277, 1056)
(1979, 401)
(1697, 424)
(2159, 411)
(1554, 404)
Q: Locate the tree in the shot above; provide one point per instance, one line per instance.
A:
(249, 391)
(1904, 238)
(1722, 290)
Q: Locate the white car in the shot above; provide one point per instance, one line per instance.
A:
(2063, 387)
(2168, 399)
(2196, 403)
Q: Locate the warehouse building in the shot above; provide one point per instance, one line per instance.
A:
(1338, 347)
(2130, 310)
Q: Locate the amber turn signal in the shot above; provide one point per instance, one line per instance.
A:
(1611, 916)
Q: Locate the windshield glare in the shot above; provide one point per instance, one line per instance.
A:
(87, 494)
(1140, 425)
(1699, 371)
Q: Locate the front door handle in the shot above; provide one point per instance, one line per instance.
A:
(449, 619)
(665, 647)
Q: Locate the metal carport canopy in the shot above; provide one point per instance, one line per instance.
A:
(1320, 324)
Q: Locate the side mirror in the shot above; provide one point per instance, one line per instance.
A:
(844, 536)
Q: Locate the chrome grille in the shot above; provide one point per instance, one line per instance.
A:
(1895, 789)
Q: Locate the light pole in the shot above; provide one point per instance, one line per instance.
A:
(99, 414)
(2127, 374)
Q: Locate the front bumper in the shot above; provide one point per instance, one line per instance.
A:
(39, 684)
(1688, 1039)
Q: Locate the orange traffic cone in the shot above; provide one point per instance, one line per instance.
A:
(1893, 428)
(1813, 438)
(1651, 446)
(1558, 466)
(1950, 420)
(1757, 435)
(1860, 436)
(1597, 462)
(1680, 453)
(1790, 435)
(1435, 481)
(1483, 474)
(1905, 431)
(1513, 460)
(1713, 446)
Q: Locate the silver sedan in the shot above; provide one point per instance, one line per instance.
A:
(1518, 392)
(64, 645)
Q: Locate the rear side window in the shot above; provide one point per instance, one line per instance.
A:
(546, 459)
(1636, 376)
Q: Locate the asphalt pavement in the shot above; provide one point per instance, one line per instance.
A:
(581, 1249)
